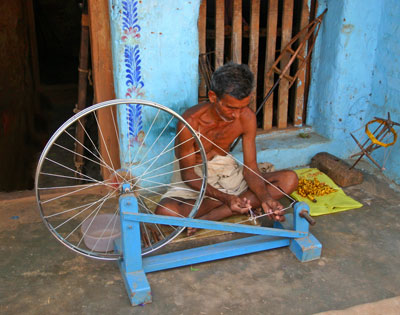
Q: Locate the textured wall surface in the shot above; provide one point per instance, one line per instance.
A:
(155, 57)
(386, 80)
(356, 74)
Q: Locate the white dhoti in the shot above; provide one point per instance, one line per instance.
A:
(224, 174)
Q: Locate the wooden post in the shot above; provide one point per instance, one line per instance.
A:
(283, 102)
(300, 83)
(100, 38)
(19, 139)
(236, 45)
(201, 24)
(219, 33)
(254, 41)
(269, 60)
(313, 12)
(33, 43)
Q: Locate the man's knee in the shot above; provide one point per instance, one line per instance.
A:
(167, 207)
(292, 181)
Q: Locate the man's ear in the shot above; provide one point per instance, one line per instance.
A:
(212, 96)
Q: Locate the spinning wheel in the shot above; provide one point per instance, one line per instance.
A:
(77, 182)
(82, 192)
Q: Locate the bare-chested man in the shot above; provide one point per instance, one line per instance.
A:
(221, 120)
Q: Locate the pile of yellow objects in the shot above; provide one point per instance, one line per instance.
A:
(310, 188)
(333, 200)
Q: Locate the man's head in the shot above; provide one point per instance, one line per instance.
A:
(231, 86)
(232, 79)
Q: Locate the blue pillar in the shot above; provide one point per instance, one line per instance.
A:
(155, 57)
(130, 264)
(306, 248)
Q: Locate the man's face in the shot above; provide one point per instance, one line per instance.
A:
(230, 108)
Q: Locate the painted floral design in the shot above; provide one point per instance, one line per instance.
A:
(134, 83)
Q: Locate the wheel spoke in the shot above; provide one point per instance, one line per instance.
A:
(162, 166)
(74, 216)
(78, 173)
(113, 228)
(153, 158)
(71, 201)
(171, 172)
(155, 141)
(172, 185)
(71, 209)
(145, 137)
(70, 193)
(98, 208)
(97, 157)
(85, 157)
(69, 177)
(148, 210)
(170, 210)
(105, 229)
(158, 156)
(104, 142)
(178, 200)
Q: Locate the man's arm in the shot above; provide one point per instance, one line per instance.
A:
(185, 152)
(251, 172)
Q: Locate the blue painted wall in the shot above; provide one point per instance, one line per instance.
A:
(155, 57)
(356, 74)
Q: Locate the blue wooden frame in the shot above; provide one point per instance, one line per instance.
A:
(293, 233)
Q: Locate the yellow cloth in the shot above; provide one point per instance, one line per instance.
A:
(334, 202)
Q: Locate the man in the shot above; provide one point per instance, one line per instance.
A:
(220, 121)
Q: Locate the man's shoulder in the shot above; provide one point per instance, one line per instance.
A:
(248, 115)
(196, 111)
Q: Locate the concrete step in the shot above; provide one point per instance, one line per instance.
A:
(288, 148)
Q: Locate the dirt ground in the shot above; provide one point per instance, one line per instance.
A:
(359, 264)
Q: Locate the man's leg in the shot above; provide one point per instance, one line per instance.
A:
(181, 207)
(279, 184)
(286, 181)
(215, 210)
(210, 209)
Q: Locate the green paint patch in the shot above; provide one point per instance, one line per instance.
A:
(303, 135)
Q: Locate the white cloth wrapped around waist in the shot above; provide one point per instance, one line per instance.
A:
(224, 174)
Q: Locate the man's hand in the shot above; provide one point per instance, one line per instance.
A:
(239, 205)
(274, 209)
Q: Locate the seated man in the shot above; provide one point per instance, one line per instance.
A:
(230, 189)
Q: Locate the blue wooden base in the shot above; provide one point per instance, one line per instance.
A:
(136, 284)
(138, 287)
(293, 233)
(306, 248)
(222, 250)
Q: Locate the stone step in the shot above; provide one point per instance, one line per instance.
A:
(287, 148)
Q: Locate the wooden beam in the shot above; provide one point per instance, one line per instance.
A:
(102, 68)
(300, 83)
(201, 25)
(219, 32)
(254, 41)
(313, 12)
(272, 23)
(33, 44)
(283, 101)
(236, 45)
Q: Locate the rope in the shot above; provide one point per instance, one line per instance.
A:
(252, 218)
(258, 175)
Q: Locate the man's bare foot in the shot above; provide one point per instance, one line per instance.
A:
(282, 218)
(191, 231)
